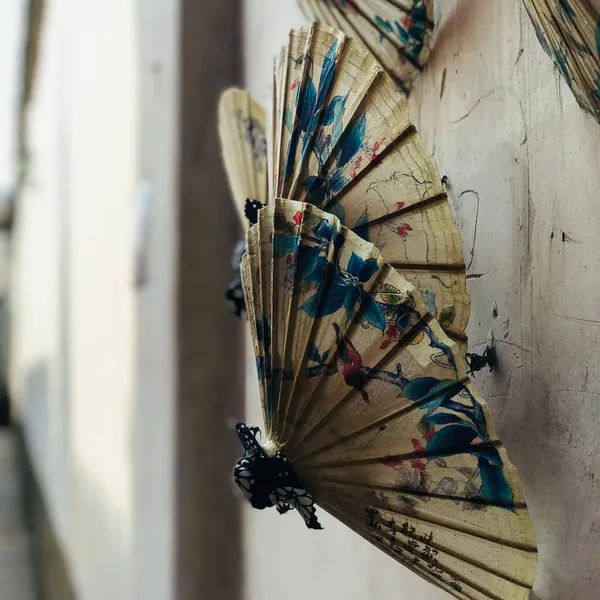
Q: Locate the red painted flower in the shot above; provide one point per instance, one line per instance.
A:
(390, 461)
(377, 145)
(404, 229)
(428, 435)
(417, 463)
(407, 22)
(356, 166)
(399, 205)
(298, 217)
(295, 84)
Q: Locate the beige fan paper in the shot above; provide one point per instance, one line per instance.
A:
(397, 32)
(243, 148)
(384, 432)
(569, 31)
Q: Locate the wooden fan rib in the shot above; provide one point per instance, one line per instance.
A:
(429, 454)
(292, 96)
(474, 547)
(519, 506)
(282, 85)
(253, 257)
(339, 489)
(400, 266)
(250, 302)
(279, 64)
(288, 234)
(402, 554)
(265, 264)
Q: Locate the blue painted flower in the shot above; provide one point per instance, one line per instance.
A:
(345, 288)
(309, 106)
(323, 187)
(409, 30)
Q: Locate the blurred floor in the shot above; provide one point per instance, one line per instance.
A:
(17, 579)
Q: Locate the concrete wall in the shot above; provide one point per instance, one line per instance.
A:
(102, 119)
(522, 163)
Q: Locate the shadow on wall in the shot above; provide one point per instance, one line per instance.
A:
(98, 529)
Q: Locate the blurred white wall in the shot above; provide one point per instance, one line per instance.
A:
(91, 354)
(12, 18)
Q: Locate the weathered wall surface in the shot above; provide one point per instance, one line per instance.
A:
(522, 165)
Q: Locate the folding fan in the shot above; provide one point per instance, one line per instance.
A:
(340, 137)
(397, 32)
(369, 412)
(244, 148)
(244, 151)
(569, 31)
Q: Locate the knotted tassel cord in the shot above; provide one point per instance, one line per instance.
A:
(268, 481)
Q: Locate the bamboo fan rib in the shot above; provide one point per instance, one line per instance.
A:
(369, 411)
(243, 148)
(397, 32)
(569, 31)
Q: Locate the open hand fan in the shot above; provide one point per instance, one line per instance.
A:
(244, 149)
(397, 32)
(382, 430)
(569, 31)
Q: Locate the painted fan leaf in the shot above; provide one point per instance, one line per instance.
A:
(244, 148)
(390, 438)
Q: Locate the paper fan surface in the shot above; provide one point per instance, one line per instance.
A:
(397, 32)
(383, 431)
(569, 31)
(341, 139)
(243, 147)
